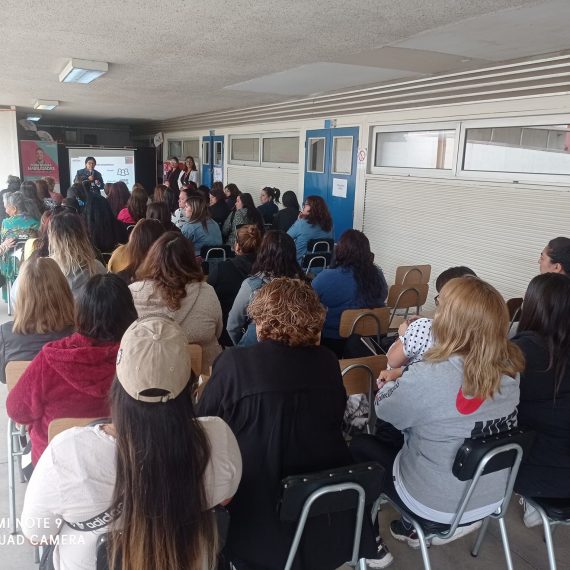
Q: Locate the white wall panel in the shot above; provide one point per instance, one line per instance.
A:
(497, 229)
(9, 156)
(252, 179)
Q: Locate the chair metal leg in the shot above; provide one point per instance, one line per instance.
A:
(362, 564)
(11, 487)
(506, 547)
(423, 546)
(480, 537)
(547, 536)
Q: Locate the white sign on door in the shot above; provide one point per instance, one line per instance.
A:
(339, 188)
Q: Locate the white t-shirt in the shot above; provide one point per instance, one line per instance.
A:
(75, 478)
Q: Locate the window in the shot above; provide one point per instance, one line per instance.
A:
(245, 150)
(316, 155)
(281, 150)
(342, 155)
(277, 150)
(429, 149)
(175, 149)
(541, 150)
(206, 152)
(191, 148)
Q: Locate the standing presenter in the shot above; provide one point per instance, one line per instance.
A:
(89, 173)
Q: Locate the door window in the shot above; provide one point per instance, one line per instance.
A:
(316, 158)
(206, 152)
(342, 155)
(218, 153)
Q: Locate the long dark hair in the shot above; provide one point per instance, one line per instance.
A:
(272, 193)
(558, 249)
(353, 250)
(164, 508)
(319, 214)
(253, 215)
(118, 196)
(105, 308)
(137, 204)
(143, 236)
(290, 200)
(35, 207)
(171, 264)
(200, 212)
(546, 311)
(277, 256)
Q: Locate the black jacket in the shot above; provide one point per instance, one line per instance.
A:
(285, 218)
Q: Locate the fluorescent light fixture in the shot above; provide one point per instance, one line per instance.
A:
(82, 71)
(33, 117)
(44, 105)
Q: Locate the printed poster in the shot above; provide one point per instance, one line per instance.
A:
(39, 159)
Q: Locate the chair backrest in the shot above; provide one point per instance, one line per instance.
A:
(356, 372)
(61, 424)
(320, 244)
(515, 309)
(407, 296)
(478, 457)
(195, 351)
(319, 259)
(14, 370)
(412, 274)
(365, 322)
(215, 252)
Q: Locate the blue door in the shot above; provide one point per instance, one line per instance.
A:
(330, 172)
(212, 159)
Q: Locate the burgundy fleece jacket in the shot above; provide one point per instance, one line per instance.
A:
(69, 378)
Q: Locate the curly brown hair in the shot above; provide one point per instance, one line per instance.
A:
(319, 214)
(171, 264)
(288, 311)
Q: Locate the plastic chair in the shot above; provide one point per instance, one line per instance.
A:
(329, 492)
(553, 512)
(359, 377)
(216, 252)
(320, 245)
(476, 458)
(14, 433)
(365, 322)
(317, 260)
(404, 297)
(514, 306)
(412, 274)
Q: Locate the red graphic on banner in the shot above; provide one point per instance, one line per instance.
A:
(39, 159)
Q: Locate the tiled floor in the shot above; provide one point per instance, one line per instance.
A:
(527, 545)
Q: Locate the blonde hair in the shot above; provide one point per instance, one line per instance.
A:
(44, 302)
(69, 244)
(472, 321)
(248, 238)
(288, 311)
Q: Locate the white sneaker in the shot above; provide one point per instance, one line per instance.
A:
(459, 533)
(531, 516)
(383, 558)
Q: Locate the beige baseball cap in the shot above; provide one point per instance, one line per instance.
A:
(154, 355)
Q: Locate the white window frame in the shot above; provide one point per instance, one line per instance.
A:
(534, 121)
(414, 127)
(324, 156)
(333, 137)
(261, 163)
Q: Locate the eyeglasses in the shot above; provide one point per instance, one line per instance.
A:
(436, 300)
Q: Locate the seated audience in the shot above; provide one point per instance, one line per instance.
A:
(284, 400)
(171, 282)
(286, 217)
(467, 386)
(179, 216)
(159, 194)
(135, 209)
(244, 212)
(13, 184)
(276, 258)
(71, 377)
(555, 257)
(44, 194)
(35, 205)
(544, 338)
(352, 282)
(314, 222)
(414, 335)
(41, 313)
(40, 245)
(159, 211)
(231, 192)
(57, 197)
(150, 477)
(118, 196)
(219, 210)
(70, 247)
(126, 259)
(199, 228)
(269, 199)
(227, 276)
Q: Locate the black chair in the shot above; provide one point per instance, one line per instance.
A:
(475, 458)
(328, 492)
(216, 252)
(222, 522)
(320, 245)
(553, 512)
(319, 260)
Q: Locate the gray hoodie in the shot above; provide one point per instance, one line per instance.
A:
(427, 404)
